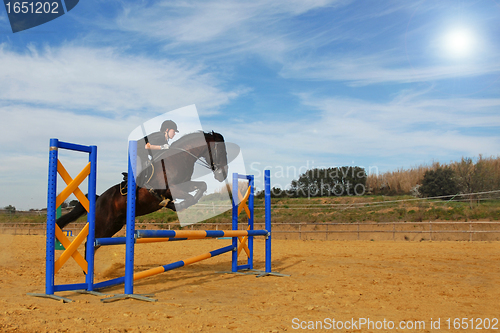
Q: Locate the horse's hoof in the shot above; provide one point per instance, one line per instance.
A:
(183, 205)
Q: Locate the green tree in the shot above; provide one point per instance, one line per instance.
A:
(339, 181)
(480, 176)
(464, 171)
(441, 182)
(10, 208)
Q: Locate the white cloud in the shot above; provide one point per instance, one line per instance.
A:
(88, 96)
(410, 129)
(106, 81)
(361, 70)
(93, 95)
(24, 136)
(220, 28)
(194, 21)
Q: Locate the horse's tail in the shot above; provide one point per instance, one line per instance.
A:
(74, 214)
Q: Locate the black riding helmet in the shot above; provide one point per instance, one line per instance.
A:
(168, 124)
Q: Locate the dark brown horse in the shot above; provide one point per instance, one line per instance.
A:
(154, 190)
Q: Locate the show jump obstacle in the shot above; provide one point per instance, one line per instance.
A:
(52, 266)
(242, 240)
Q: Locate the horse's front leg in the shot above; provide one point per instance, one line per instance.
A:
(182, 191)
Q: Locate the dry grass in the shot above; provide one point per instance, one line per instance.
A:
(473, 175)
(228, 188)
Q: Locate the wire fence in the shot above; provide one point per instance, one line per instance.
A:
(396, 231)
(10, 213)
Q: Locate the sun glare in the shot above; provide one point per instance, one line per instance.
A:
(459, 43)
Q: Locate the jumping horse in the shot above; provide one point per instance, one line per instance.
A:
(154, 189)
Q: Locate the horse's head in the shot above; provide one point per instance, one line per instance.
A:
(218, 155)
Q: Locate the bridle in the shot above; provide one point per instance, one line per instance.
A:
(214, 156)
(212, 165)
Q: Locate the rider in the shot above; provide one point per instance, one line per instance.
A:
(156, 141)
(159, 140)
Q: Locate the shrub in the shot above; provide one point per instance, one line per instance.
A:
(439, 182)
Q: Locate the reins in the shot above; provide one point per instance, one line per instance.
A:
(202, 163)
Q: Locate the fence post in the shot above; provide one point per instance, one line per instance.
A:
(470, 231)
(430, 229)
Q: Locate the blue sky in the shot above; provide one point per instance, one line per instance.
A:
(297, 84)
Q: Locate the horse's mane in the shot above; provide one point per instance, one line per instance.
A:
(181, 143)
(187, 138)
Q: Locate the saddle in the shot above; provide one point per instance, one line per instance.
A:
(141, 181)
(147, 175)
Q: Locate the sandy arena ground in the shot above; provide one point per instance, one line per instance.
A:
(341, 280)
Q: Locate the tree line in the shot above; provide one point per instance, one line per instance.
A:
(469, 175)
(466, 176)
(335, 181)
